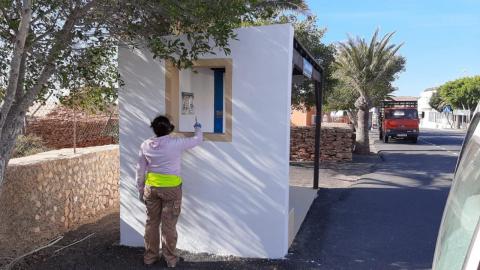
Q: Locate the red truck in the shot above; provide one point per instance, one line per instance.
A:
(399, 119)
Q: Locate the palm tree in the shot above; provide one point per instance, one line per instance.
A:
(369, 69)
(285, 5)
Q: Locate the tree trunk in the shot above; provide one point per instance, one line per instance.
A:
(362, 145)
(352, 116)
(16, 62)
(8, 136)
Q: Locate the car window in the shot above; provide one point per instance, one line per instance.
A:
(401, 114)
(462, 211)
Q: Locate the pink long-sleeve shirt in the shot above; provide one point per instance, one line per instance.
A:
(163, 155)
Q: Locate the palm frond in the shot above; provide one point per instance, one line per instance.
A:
(369, 66)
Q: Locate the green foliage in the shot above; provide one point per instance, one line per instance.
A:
(342, 97)
(84, 55)
(436, 102)
(463, 93)
(369, 67)
(28, 145)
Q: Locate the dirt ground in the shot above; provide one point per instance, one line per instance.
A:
(101, 251)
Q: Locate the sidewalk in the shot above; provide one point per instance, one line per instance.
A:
(333, 174)
(337, 174)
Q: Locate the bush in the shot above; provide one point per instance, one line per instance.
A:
(28, 145)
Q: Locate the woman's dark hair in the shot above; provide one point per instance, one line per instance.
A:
(161, 126)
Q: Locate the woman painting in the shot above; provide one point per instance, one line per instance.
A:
(160, 187)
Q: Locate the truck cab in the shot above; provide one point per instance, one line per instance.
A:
(399, 119)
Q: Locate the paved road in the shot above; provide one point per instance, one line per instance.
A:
(390, 218)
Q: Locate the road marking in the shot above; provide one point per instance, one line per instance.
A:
(439, 147)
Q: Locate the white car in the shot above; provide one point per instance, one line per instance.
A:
(458, 242)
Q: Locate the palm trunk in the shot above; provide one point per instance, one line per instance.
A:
(362, 144)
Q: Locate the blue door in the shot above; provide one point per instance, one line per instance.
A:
(218, 100)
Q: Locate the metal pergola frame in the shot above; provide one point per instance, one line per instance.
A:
(302, 58)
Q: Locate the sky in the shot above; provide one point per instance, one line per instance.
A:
(441, 37)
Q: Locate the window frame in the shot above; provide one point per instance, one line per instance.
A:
(172, 96)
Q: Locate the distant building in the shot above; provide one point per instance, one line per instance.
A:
(404, 98)
(301, 118)
(424, 100)
(434, 119)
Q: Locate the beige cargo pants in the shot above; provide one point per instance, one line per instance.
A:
(163, 207)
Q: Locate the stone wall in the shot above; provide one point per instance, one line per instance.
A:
(52, 192)
(336, 142)
(56, 129)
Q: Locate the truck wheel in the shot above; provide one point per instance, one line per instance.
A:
(414, 139)
(385, 138)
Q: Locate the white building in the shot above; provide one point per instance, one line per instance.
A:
(431, 117)
(237, 197)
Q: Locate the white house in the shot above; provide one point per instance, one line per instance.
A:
(435, 119)
(237, 198)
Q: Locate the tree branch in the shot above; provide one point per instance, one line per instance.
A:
(16, 60)
(21, 76)
(63, 39)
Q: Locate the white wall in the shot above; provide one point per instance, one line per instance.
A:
(142, 98)
(235, 194)
(201, 84)
(424, 106)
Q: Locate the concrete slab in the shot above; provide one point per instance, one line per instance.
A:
(300, 200)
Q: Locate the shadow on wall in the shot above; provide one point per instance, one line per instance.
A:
(235, 194)
(143, 100)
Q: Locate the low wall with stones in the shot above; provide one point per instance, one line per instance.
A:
(52, 192)
(336, 142)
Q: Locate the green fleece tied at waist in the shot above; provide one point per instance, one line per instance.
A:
(163, 180)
